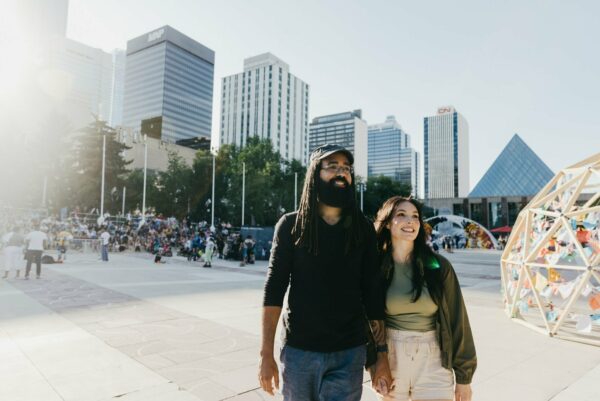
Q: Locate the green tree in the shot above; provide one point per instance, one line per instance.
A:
(81, 181)
(264, 180)
(378, 190)
(286, 190)
(174, 188)
(135, 189)
(200, 195)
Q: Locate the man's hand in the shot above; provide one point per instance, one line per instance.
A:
(381, 375)
(462, 392)
(268, 373)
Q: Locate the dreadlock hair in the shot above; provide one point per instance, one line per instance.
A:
(422, 256)
(305, 232)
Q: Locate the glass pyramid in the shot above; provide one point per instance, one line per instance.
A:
(517, 171)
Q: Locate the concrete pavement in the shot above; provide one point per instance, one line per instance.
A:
(138, 331)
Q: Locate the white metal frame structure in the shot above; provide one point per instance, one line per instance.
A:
(551, 261)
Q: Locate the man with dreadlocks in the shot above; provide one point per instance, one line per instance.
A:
(326, 253)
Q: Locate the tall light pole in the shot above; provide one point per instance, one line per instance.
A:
(243, 191)
(361, 186)
(145, 168)
(44, 191)
(123, 207)
(295, 191)
(103, 170)
(212, 224)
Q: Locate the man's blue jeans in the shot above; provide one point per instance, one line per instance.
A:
(322, 376)
(105, 253)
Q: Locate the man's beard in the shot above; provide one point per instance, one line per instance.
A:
(334, 196)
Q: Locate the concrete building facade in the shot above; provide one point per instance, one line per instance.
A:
(266, 101)
(446, 154)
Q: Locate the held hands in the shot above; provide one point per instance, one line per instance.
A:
(268, 373)
(462, 392)
(381, 375)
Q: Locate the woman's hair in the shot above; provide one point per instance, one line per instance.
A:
(305, 231)
(422, 257)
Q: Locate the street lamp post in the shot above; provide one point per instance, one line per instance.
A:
(361, 187)
(123, 207)
(212, 224)
(44, 191)
(145, 168)
(103, 170)
(243, 191)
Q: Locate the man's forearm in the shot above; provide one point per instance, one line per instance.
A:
(269, 326)
(378, 328)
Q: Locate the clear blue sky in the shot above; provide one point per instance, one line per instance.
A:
(527, 67)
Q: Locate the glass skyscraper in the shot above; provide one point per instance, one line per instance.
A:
(346, 129)
(517, 171)
(168, 86)
(90, 75)
(390, 154)
(446, 149)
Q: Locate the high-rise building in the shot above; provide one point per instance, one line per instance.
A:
(390, 154)
(82, 81)
(346, 129)
(70, 78)
(446, 149)
(266, 101)
(168, 86)
(117, 90)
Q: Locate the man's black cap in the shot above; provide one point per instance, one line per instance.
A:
(328, 149)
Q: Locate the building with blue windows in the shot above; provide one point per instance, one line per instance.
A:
(446, 154)
(168, 86)
(513, 179)
(345, 129)
(390, 154)
(517, 171)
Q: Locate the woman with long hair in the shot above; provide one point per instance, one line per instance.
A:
(431, 349)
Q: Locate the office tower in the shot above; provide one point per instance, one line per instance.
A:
(266, 101)
(117, 92)
(347, 129)
(168, 86)
(81, 82)
(446, 150)
(390, 154)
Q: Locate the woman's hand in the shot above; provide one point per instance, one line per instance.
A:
(381, 376)
(462, 392)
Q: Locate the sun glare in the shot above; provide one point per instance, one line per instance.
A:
(15, 43)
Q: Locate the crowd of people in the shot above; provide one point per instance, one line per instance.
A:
(162, 237)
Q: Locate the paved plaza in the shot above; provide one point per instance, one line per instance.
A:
(132, 330)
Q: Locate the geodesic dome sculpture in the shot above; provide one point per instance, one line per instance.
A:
(551, 263)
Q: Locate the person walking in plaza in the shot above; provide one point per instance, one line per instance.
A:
(13, 251)
(242, 250)
(208, 252)
(249, 247)
(35, 242)
(431, 349)
(326, 254)
(105, 239)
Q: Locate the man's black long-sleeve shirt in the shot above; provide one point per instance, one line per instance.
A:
(330, 292)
